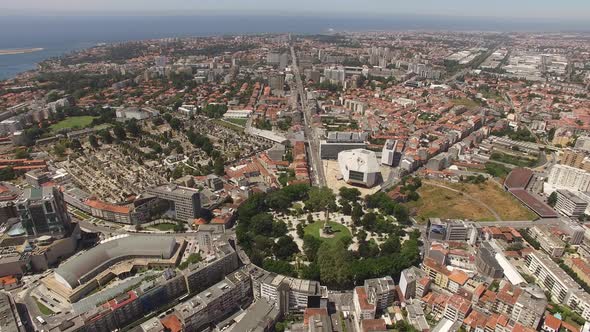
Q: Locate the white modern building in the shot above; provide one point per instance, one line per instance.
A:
(570, 204)
(237, 114)
(388, 156)
(359, 166)
(133, 113)
(583, 143)
(558, 283)
(571, 178)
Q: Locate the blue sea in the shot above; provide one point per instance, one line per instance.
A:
(59, 35)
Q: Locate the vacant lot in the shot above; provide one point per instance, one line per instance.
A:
(472, 201)
(74, 122)
(465, 102)
(340, 231)
(438, 202)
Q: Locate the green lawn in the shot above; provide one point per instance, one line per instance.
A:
(43, 308)
(192, 259)
(229, 125)
(514, 160)
(239, 122)
(340, 231)
(81, 215)
(164, 227)
(73, 122)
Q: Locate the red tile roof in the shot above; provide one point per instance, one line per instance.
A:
(373, 325)
(172, 323)
(552, 322)
(363, 300)
(310, 312)
(107, 207)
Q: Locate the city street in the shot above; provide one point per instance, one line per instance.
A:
(313, 141)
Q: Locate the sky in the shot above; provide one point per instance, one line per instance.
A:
(526, 9)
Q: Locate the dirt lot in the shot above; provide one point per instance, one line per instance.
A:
(480, 202)
(335, 182)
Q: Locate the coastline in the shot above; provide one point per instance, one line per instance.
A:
(20, 51)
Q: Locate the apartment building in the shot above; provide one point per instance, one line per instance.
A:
(9, 318)
(567, 177)
(291, 294)
(212, 269)
(363, 308)
(442, 277)
(573, 158)
(457, 308)
(409, 282)
(185, 202)
(558, 283)
(580, 267)
(550, 243)
(380, 292)
(43, 211)
(416, 316)
(570, 204)
(529, 308)
(214, 304)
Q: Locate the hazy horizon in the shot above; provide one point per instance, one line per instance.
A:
(501, 9)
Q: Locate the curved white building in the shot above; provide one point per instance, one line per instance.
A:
(359, 166)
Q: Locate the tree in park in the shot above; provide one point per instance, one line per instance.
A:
(349, 194)
(105, 136)
(311, 245)
(346, 207)
(120, 133)
(300, 231)
(133, 128)
(93, 141)
(321, 199)
(219, 166)
(335, 262)
(285, 248)
(357, 214)
(76, 145)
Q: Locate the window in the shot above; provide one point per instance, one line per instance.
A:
(357, 176)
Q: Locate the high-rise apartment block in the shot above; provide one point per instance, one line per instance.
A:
(185, 202)
(42, 211)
